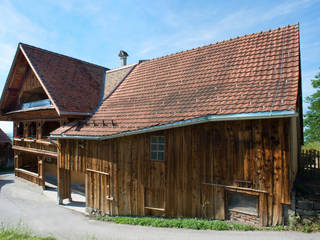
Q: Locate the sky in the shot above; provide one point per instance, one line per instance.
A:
(95, 31)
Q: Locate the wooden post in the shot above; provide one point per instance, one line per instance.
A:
(15, 129)
(64, 184)
(25, 129)
(63, 178)
(41, 175)
(39, 125)
(17, 160)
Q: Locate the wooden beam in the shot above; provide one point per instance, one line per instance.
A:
(235, 188)
(36, 151)
(26, 172)
(92, 170)
(154, 208)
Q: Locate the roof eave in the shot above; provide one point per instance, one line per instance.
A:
(209, 118)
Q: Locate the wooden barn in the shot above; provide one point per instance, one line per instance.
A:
(213, 132)
(43, 91)
(6, 154)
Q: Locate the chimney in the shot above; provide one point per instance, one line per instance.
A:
(123, 57)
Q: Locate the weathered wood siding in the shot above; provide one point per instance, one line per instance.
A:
(251, 157)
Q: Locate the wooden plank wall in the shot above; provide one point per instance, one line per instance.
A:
(254, 152)
(29, 82)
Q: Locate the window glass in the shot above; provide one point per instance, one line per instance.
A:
(157, 148)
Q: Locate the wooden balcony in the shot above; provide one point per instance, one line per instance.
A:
(35, 146)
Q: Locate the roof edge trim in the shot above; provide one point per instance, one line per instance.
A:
(6, 85)
(120, 68)
(209, 118)
(74, 113)
(31, 109)
(39, 79)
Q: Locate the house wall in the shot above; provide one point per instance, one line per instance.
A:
(202, 164)
(6, 155)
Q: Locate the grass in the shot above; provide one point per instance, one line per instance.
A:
(189, 223)
(202, 224)
(19, 233)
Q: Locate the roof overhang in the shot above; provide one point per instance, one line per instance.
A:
(206, 119)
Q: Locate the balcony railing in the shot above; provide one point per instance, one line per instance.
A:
(36, 146)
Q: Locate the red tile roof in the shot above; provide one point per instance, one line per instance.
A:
(73, 85)
(4, 137)
(249, 74)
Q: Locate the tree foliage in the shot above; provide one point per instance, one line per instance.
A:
(312, 117)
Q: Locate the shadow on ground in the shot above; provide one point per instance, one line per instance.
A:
(4, 179)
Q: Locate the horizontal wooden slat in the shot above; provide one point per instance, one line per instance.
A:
(44, 142)
(96, 171)
(154, 208)
(235, 188)
(26, 172)
(36, 151)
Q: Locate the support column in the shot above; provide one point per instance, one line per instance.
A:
(41, 176)
(17, 161)
(64, 184)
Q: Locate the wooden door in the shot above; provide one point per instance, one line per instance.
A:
(99, 193)
(155, 193)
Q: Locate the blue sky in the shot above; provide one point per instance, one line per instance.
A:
(95, 31)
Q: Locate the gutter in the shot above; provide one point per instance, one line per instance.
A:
(210, 118)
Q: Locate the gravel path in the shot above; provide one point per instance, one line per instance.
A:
(25, 203)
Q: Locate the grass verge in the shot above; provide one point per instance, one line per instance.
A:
(189, 223)
(202, 224)
(19, 233)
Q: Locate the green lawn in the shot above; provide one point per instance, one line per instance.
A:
(19, 233)
(202, 224)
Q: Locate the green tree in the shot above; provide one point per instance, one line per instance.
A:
(312, 117)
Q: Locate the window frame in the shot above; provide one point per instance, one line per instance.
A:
(157, 143)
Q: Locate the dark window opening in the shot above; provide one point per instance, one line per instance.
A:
(32, 130)
(20, 129)
(243, 203)
(33, 95)
(29, 162)
(157, 148)
(48, 127)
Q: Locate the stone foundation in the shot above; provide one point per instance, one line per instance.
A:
(243, 218)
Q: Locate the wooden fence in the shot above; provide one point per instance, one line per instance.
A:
(310, 163)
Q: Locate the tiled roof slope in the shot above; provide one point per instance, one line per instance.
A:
(249, 74)
(4, 137)
(113, 78)
(74, 85)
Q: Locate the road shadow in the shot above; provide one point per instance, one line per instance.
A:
(5, 179)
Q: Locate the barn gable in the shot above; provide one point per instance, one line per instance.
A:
(55, 80)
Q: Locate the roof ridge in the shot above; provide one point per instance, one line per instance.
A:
(62, 55)
(219, 42)
(121, 68)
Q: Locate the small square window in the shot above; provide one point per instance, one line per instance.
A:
(157, 148)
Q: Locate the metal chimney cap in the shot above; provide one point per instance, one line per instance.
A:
(123, 54)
